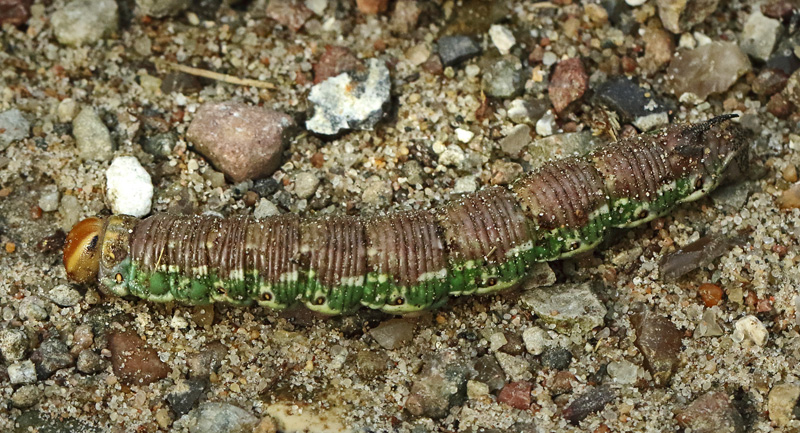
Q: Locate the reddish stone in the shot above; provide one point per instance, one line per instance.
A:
(568, 83)
(242, 141)
(779, 107)
(372, 7)
(15, 12)
(709, 413)
(133, 361)
(405, 15)
(290, 13)
(433, 65)
(659, 341)
(561, 382)
(769, 82)
(711, 294)
(778, 9)
(658, 48)
(516, 395)
(334, 61)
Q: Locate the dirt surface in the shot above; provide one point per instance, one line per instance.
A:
(477, 364)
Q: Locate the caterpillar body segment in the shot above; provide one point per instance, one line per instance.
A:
(407, 261)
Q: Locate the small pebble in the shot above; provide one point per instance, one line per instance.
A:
(516, 367)
(89, 362)
(133, 361)
(393, 334)
(464, 135)
(760, 35)
(476, 390)
(452, 155)
(546, 125)
(489, 371)
(372, 7)
(33, 308)
(337, 60)
(215, 417)
(22, 372)
(26, 396)
(265, 208)
(242, 141)
(51, 356)
(749, 330)
(82, 22)
(350, 101)
(13, 344)
(568, 83)
(659, 341)
(465, 185)
(690, 78)
(436, 390)
(185, 394)
(588, 403)
(305, 184)
(711, 413)
(13, 127)
(161, 8)
(457, 49)
(49, 198)
(556, 358)
(516, 395)
(623, 372)
(129, 188)
(536, 340)
(711, 294)
(64, 295)
(517, 139)
(781, 403)
(504, 78)
(678, 16)
(567, 306)
(708, 326)
(371, 364)
(289, 13)
(15, 12)
(92, 137)
(790, 198)
(207, 361)
(502, 38)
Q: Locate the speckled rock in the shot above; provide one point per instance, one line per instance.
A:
(22, 372)
(33, 308)
(350, 100)
(334, 61)
(213, 417)
(792, 90)
(556, 358)
(305, 184)
(265, 208)
(711, 68)
(289, 13)
(89, 362)
(160, 8)
(393, 333)
(504, 78)
(489, 371)
(84, 21)
(711, 413)
(133, 361)
(371, 364)
(13, 127)
(242, 141)
(185, 394)
(51, 356)
(658, 48)
(26, 396)
(129, 189)
(567, 306)
(588, 403)
(681, 15)
(760, 35)
(516, 395)
(659, 341)
(15, 12)
(536, 340)
(13, 344)
(405, 15)
(159, 145)
(782, 400)
(64, 295)
(568, 83)
(517, 368)
(436, 390)
(456, 49)
(91, 136)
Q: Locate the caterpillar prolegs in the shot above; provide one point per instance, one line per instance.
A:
(407, 261)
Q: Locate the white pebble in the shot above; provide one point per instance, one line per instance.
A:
(472, 71)
(464, 135)
(635, 3)
(549, 58)
(465, 184)
(536, 340)
(265, 208)
(66, 110)
(22, 372)
(452, 156)
(750, 330)
(476, 389)
(502, 38)
(48, 201)
(546, 124)
(129, 187)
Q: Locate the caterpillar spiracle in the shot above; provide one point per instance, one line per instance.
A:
(411, 260)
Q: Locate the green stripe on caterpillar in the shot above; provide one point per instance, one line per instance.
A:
(407, 261)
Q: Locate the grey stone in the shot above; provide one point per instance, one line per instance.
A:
(26, 396)
(65, 296)
(352, 100)
(160, 145)
(456, 49)
(760, 35)
(712, 68)
(489, 371)
(393, 333)
(85, 21)
(567, 306)
(51, 356)
(265, 208)
(13, 127)
(33, 308)
(185, 394)
(305, 184)
(13, 344)
(91, 136)
(213, 417)
(89, 362)
(515, 367)
(160, 8)
(22, 372)
(49, 198)
(630, 100)
(556, 358)
(517, 139)
(504, 78)
(437, 389)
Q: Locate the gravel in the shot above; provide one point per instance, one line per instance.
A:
(13, 127)
(129, 188)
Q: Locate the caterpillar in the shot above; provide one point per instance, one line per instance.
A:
(406, 261)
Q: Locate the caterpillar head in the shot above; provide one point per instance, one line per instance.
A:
(98, 249)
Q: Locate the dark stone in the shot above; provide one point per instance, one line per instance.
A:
(457, 49)
(134, 362)
(769, 82)
(371, 364)
(207, 361)
(35, 421)
(629, 100)
(51, 356)
(185, 394)
(556, 358)
(659, 341)
(697, 254)
(181, 82)
(588, 403)
(15, 12)
(783, 57)
(266, 187)
(159, 145)
(489, 372)
(205, 9)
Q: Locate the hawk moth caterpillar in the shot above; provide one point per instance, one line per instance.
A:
(411, 260)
